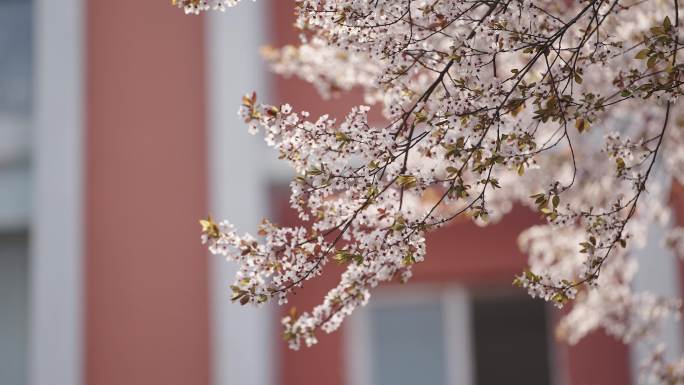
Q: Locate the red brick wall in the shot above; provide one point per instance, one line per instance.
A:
(146, 286)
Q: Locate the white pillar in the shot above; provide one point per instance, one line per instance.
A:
(241, 336)
(56, 226)
(659, 274)
(457, 333)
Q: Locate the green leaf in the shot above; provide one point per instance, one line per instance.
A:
(399, 224)
(344, 256)
(421, 116)
(452, 170)
(455, 58)
(342, 137)
(210, 227)
(409, 259)
(559, 298)
(407, 181)
(314, 171)
(643, 54)
(658, 30)
(372, 192)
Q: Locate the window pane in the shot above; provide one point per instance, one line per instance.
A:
(15, 111)
(15, 115)
(13, 308)
(510, 341)
(15, 57)
(407, 343)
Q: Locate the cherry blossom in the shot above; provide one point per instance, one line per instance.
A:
(569, 108)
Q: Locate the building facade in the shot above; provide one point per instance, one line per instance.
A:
(118, 131)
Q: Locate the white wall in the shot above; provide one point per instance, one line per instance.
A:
(56, 226)
(659, 274)
(240, 336)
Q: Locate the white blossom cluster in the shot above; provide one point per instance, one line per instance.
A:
(658, 370)
(195, 7)
(567, 107)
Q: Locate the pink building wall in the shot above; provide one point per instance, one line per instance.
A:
(146, 284)
(146, 274)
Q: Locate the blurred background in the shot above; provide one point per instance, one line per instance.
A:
(118, 131)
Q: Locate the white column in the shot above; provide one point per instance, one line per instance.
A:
(241, 336)
(659, 274)
(457, 335)
(56, 226)
(358, 349)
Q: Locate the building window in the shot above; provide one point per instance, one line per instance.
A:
(408, 343)
(15, 61)
(13, 308)
(510, 340)
(16, 72)
(438, 338)
(15, 112)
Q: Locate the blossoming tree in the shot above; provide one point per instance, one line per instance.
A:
(570, 108)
